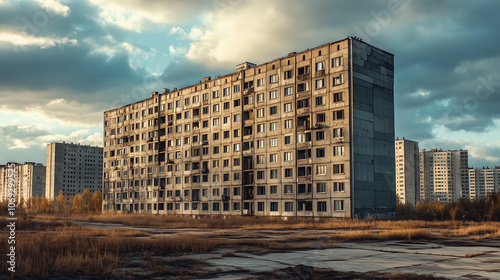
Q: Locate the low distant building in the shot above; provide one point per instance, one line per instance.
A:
(407, 171)
(483, 182)
(444, 175)
(73, 168)
(29, 180)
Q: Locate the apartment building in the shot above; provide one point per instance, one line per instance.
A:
(407, 171)
(73, 168)
(29, 180)
(310, 134)
(483, 182)
(444, 175)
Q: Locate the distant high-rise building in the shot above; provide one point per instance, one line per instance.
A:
(29, 180)
(73, 168)
(310, 134)
(444, 175)
(407, 171)
(483, 182)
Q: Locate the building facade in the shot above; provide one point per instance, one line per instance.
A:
(483, 182)
(29, 180)
(444, 175)
(407, 171)
(72, 168)
(310, 134)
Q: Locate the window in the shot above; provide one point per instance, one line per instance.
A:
(320, 83)
(261, 190)
(227, 106)
(273, 126)
(215, 122)
(248, 84)
(205, 97)
(273, 79)
(320, 135)
(320, 117)
(288, 156)
(215, 108)
(303, 171)
(288, 91)
(236, 191)
(303, 87)
(319, 101)
(205, 110)
(226, 134)
(337, 61)
(321, 170)
(304, 103)
(320, 187)
(237, 118)
(304, 137)
(273, 206)
(260, 206)
(288, 107)
(273, 189)
(236, 103)
(337, 97)
(260, 144)
(288, 206)
(338, 132)
(273, 142)
(288, 74)
(236, 147)
(338, 169)
(338, 205)
(236, 133)
(303, 70)
(196, 99)
(288, 189)
(338, 80)
(225, 120)
(320, 152)
(236, 88)
(321, 206)
(215, 206)
(273, 158)
(273, 110)
(288, 124)
(288, 140)
(273, 94)
(260, 159)
(260, 128)
(338, 115)
(273, 174)
(226, 92)
(338, 187)
(260, 97)
(320, 66)
(260, 113)
(260, 175)
(260, 82)
(338, 151)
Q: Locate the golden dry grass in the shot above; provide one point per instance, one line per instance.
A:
(408, 234)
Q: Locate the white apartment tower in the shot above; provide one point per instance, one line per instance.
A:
(444, 175)
(407, 171)
(483, 182)
(29, 180)
(73, 168)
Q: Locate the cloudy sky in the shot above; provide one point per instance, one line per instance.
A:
(62, 63)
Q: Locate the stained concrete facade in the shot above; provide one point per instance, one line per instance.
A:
(29, 180)
(483, 182)
(407, 171)
(310, 134)
(444, 175)
(73, 168)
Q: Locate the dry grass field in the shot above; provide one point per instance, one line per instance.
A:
(51, 245)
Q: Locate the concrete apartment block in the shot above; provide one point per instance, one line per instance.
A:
(483, 182)
(444, 175)
(29, 180)
(310, 135)
(72, 168)
(407, 171)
